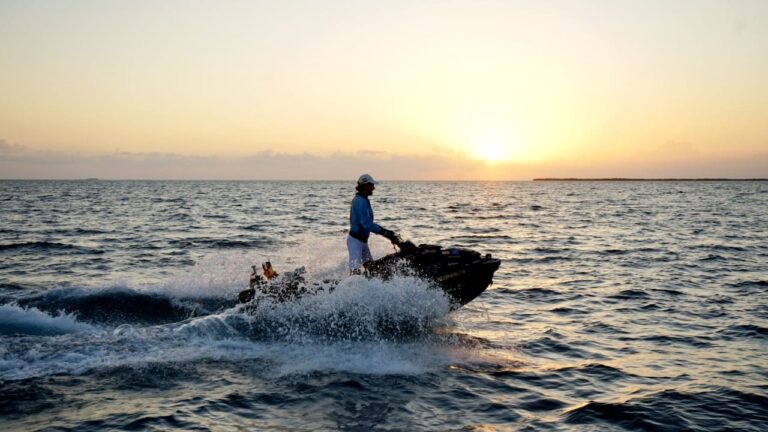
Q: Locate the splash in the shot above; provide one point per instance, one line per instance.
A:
(224, 273)
(354, 309)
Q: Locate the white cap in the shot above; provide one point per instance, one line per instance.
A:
(365, 179)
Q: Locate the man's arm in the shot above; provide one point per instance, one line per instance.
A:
(364, 217)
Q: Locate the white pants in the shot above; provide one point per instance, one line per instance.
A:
(359, 253)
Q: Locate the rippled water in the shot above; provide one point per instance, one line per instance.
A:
(618, 306)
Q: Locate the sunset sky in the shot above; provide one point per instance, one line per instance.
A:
(401, 89)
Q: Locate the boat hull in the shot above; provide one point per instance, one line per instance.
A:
(463, 274)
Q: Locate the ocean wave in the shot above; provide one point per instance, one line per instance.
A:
(614, 252)
(630, 294)
(19, 320)
(750, 284)
(719, 409)
(547, 345)
(542, 260)
(721, 248)
(221, 243)
(484, 238)
(77, 231)
(667, 340)
(668, 291)
(11, 286)
(111, 305)
(563, 310)
(598, 370)
(45, 246)
(531, 293)
(749, 331)
(713, 257)
(604, 328)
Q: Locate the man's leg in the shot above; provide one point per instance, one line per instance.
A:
(356, 255)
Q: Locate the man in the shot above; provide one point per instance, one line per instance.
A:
(361, 225)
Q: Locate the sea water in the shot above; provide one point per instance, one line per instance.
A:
(618, 306)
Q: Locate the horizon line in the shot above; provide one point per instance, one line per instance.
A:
(648, 179)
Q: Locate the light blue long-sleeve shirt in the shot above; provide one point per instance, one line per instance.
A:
(361, 223)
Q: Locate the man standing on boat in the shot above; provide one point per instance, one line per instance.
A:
(361, 225)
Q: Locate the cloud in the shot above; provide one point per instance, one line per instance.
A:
(266, 165)
(372, 152)
(6, 147)
(151, 155)
(17, 161)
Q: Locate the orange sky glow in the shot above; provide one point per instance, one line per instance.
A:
(427, 90)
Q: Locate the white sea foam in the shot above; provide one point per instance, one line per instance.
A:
(15, 319)
(338, 331)
(214, 327)
(358, 308)
(70, 355)
(371, 358)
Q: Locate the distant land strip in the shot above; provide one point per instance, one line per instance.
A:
(647, 179)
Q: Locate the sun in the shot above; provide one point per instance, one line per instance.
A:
(490, 146)
(491, 152)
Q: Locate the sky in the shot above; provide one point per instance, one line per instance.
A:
(422, 90)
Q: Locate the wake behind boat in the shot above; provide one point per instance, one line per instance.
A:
(462, 274)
